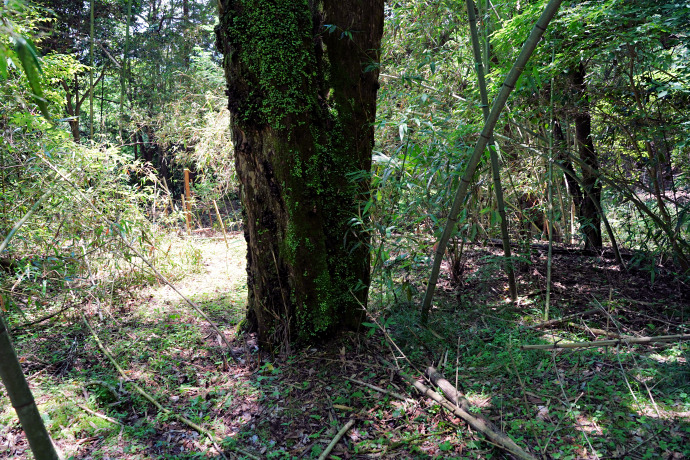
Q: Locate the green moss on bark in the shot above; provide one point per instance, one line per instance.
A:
(274, 53)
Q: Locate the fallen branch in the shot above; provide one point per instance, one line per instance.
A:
(499, 439)
(380, 390)
(608, 343)
(152, 400)
(566, 318)
(335, 440)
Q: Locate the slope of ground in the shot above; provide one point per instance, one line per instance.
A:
(621, 402)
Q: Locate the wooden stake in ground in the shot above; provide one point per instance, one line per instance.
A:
(188, 196)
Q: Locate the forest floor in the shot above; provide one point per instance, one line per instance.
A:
(622, 401)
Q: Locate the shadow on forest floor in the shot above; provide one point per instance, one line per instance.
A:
(620, 402)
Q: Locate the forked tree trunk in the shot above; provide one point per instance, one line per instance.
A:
(302, 80)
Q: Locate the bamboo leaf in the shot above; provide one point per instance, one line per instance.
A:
(3, 62)
(32, 68)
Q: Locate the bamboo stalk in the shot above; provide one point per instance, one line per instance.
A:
(495, 167)
(499, 439)
(487, 132)
(23, 401)
(222, 225)
(608, 343)
(335, 440)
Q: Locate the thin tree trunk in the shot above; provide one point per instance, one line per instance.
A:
(91, 84)
(123, 74)
(590, 220)
(498, 189)
(484, 137)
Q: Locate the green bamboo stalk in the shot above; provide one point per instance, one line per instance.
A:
(549, 179)
(499, 103)
(91, 75)
(23, 401)
(498, 189)
(123, 73)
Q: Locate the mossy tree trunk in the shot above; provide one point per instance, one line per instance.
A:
(302, 80)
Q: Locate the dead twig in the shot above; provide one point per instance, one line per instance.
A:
(41, 319)
(335, 440)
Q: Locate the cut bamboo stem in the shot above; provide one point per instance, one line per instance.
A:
(608, 343)
(566, 318)
(222, 225)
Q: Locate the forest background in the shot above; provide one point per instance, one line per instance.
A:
(102, 114)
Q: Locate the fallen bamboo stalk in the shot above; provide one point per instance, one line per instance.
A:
(449, 391)
(596, 331)
(335, 440)
(152, 400)
(608, 343)
(499, 439)
(566, 318)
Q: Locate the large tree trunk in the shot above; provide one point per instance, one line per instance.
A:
(591, 200)
(302, 81)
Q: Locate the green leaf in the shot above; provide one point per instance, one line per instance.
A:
(32, 68)
(3, 62)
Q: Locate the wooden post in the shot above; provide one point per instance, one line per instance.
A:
(187, 192)
(187, 200)
(186, 214)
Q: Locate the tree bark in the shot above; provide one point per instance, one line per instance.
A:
(302, 80)
(590, 220)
